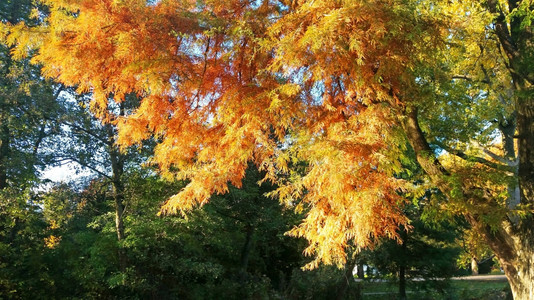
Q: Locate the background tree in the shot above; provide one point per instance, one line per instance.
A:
(27, 110)
(90, 145)
(427, 251)
(201, 257)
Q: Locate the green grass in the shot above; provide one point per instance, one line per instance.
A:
(441, 290)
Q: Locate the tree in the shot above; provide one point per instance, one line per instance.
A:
(207, 132)
(90, 144)
(343, 86)
(27, 106)
(210, 254)
(427, 251)
(499, 90)
(27, 109)
(23, 233)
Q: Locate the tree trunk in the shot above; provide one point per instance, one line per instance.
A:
(247, 247)
(4, 152)
(525, 130)
(519, 268)
(402, 266)
(117, 168)
(245, 253)
(514, 247)
(360, 272)
(474, 266)
(348, 279)
(118, 195)
(118, 191)
(402, 282)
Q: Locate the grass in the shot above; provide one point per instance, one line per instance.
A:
(439, 290)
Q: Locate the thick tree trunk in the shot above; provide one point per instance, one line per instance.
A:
(514, 247)
(519, 267)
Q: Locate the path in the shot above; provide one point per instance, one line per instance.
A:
(470, 277)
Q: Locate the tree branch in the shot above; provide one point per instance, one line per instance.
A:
(74, 159)
(92, 134)
(473, 158)
(425, 155)
(464, 77)
(501, 159)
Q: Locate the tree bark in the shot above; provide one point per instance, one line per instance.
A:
(117, 168)
(348, 279)
(474, 266)
(247, 247)
(4, 152)
(514, 247)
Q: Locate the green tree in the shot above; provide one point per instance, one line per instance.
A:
(477, 107)
(91, 146)
(210, 254)
(28, 107)
(427, 250)
(23, 232)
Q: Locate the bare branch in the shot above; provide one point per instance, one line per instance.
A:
(88, 132)
(83, 164)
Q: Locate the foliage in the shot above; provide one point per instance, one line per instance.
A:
(195, 258)
(23, 265)
(321, 283)
(428, 251)
(207, 129)
(27, 108)
(337, 88)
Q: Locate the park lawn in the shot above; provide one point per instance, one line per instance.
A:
(457, 289)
